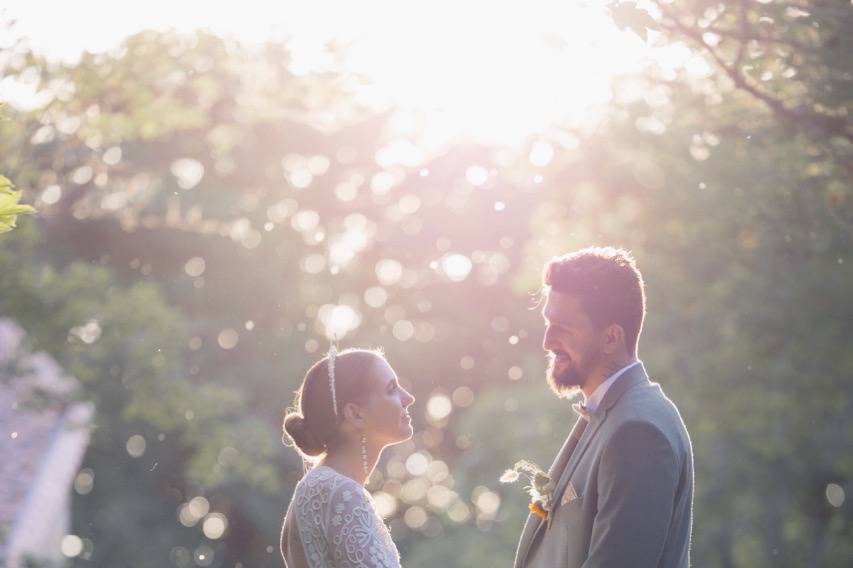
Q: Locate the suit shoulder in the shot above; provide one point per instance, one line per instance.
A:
(647, 404)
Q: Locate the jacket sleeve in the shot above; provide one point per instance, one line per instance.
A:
(637, 482)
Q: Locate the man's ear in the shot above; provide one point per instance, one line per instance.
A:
(354, 414)
(613, 338)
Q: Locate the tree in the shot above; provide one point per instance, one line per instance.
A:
(197, 209)
(159, 438)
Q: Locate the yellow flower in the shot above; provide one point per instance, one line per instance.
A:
(537, 510)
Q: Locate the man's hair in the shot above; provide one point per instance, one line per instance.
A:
(608, 285)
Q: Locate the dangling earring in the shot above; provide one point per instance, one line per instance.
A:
(364, 453)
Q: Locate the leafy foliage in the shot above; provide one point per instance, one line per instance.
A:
(9, 206)
(204, 210)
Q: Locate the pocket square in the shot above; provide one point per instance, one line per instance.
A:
(569, 495)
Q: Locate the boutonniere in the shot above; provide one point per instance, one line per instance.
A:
(541, 488)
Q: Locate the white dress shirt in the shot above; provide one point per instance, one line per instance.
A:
(597, 396)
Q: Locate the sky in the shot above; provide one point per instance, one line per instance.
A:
(501, 70)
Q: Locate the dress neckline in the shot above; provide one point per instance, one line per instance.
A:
(336, 472)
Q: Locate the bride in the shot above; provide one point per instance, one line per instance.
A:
(349, 407)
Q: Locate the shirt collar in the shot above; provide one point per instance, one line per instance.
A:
(592, 403)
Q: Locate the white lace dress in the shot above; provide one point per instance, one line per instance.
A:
(337, 525)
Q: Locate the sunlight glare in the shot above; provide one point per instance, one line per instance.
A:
(486, 71)
(500, 71)
(338, 320)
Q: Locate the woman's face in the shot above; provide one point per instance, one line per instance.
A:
(386, 415)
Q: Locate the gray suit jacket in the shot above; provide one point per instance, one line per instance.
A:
(624, 495)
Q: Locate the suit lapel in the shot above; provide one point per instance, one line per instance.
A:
(531, 527)
(534, 523)
(595, 423)
(568, 448)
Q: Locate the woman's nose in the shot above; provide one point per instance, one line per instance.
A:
(408, 399)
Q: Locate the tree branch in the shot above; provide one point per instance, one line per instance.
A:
(835, 125)
(739, 35)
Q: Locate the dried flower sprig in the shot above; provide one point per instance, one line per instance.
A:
(540, 489)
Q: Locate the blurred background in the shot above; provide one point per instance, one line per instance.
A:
(220, 190)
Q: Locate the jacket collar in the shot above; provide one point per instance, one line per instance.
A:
(633, 376)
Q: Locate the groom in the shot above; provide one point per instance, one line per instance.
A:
(624, 477)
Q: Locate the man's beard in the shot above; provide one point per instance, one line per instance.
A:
(569, 379)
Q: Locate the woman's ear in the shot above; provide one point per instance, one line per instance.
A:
(354, 414)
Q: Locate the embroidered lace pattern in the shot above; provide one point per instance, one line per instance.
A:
(338, 523)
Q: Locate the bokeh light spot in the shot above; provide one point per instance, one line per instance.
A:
(375, 296)
(204, 555)
(541, 154)
(305, 220)
(414, 490)
(199, 507)
(136, 446)
(195, 266)
(463, 397)
(51, 194)
(477, 175)
(417, 464)
(835, 495)
(338, 320)
(188, 172)
(313, 263)
(439, 407)
(112, 155)
(488, 502)
(215, 525)
(456, 266)
(71, 546)
(228, 338)
(389, 271)
(415, 517)
(403, 330)
(386, 504)
(84, 482)
(459, 512)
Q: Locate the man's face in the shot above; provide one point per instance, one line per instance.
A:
(572, 343)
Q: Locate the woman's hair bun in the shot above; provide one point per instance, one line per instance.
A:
(303, 438)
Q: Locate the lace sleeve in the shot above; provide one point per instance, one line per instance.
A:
(356, 535)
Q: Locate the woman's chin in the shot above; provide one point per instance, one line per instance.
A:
(403, 434)
(408, 431)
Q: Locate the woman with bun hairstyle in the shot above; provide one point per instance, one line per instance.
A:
(349, 407)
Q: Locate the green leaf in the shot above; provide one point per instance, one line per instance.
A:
(5, 185)
(9, 206)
